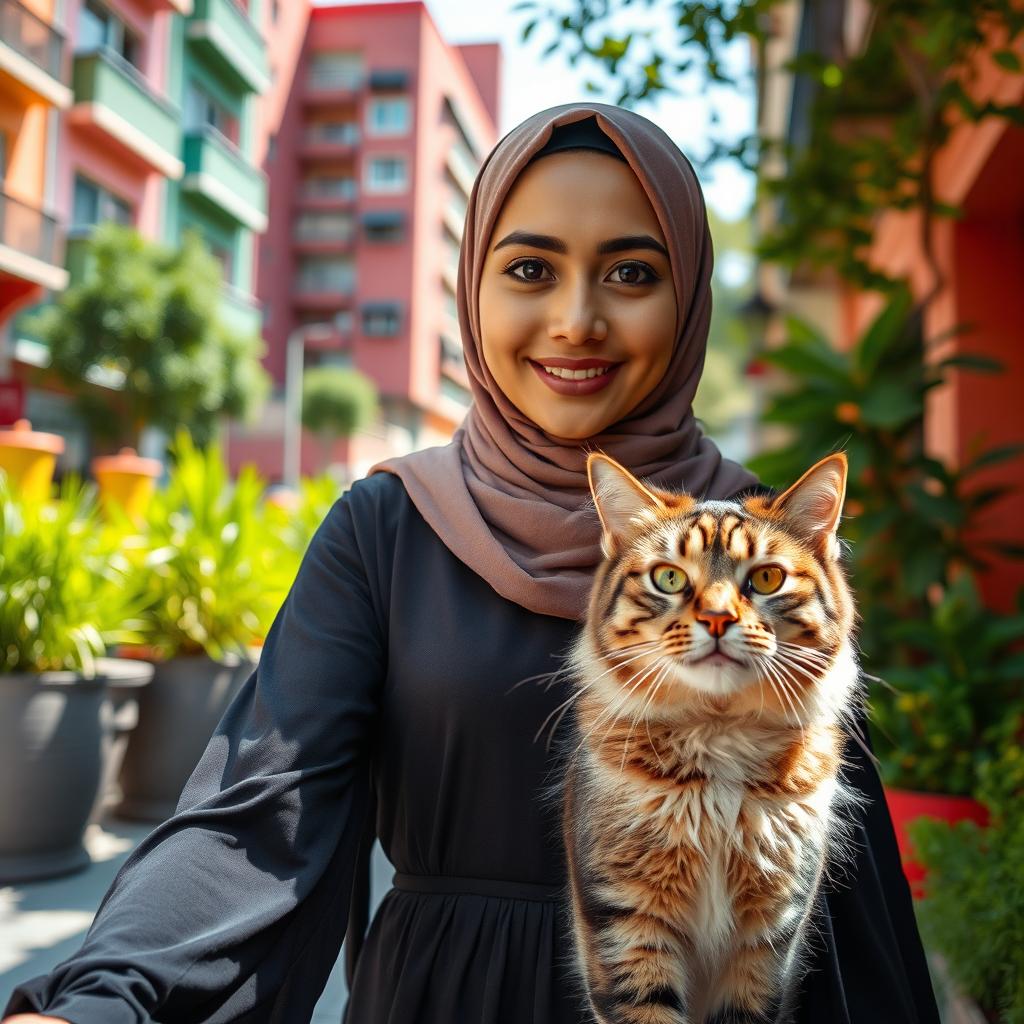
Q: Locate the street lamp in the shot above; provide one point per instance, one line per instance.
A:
(294, 366)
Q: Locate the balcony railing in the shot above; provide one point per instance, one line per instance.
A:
(216, 169)
(330, 188)
(27, 34)
(335, 80)
(28, 230)
(332, 134)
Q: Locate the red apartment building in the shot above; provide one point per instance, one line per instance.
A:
(372, 132)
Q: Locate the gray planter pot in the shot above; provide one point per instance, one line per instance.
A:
(178, 712)
(55, 730)
(126, 678)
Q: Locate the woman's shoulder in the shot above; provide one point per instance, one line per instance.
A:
(370, 510)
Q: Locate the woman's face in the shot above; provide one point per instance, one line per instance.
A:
(577, 279)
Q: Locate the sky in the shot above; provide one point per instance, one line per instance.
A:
(531, 82)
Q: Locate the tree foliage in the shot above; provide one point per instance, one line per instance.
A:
(337, 401)
(874, 118)
(149, 312)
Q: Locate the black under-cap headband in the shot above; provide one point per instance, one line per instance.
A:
(585, 134)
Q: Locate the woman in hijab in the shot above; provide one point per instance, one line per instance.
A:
(386, 701)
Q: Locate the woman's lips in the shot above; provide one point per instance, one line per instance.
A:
(587, 386)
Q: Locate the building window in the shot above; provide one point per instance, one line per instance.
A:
(389, 116)
(324, 227)
(327, 274)
(92, 204)
(387, 174)
(99, 28)
(342, 133)
(324, 187)
(203, 111)
(381, 319)
(224, 256)
(336, 70)
(384, 226)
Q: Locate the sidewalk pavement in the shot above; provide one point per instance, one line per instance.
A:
(43, 923)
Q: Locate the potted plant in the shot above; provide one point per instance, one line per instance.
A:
(63, 598)
(210, 577)
(959, 699)
(973, 906)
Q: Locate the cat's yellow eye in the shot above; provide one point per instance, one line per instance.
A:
(766, 579)
(668, 579)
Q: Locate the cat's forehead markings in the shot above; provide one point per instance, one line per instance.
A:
(719, 508)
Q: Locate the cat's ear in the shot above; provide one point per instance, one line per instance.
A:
(813, 506)
(620, 500)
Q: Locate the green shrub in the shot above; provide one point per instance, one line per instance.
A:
(213, 573)
(973, 910)
(63, 583)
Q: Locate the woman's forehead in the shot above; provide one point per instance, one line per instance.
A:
(582, 193)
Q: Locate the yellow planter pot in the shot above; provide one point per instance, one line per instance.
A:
(29, 457)
(126, 480)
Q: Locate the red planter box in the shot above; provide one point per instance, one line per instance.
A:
(905, 806)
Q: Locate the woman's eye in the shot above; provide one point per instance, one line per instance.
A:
(532, 270)
(668, 579)
(634, 272)
(767, 579)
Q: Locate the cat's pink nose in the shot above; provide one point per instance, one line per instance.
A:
(716, 622)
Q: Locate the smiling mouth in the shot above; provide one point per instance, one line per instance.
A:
(576, 376)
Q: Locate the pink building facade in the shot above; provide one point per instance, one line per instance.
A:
(371, 134)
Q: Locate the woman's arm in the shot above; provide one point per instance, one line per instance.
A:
(240, 900)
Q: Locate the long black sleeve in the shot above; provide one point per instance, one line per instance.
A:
(235, 908)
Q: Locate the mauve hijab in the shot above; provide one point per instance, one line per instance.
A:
(511, 501)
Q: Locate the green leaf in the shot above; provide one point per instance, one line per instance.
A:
(887, 329)
(967, 361)
(1007, 59)
(890, 405)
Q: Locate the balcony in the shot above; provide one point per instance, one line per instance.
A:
(462, 166)
(182, 7)
(322, 292)
(328, 193)
(240, 312)
(30, 244)
(114, 102)
(32, 53)
(223, 32)
(217, 172)
(333, 86)
(330, 141)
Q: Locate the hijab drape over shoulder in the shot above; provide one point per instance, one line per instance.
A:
(511, 501)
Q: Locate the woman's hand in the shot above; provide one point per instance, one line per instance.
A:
(33, 1018)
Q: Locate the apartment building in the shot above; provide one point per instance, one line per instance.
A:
(34, 88)
(373, 132)
(155, 131)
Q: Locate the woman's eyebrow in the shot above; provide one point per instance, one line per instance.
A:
(549, 242)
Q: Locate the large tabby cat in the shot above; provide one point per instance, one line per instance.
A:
(702, 798)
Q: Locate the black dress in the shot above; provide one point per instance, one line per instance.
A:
(384, 702)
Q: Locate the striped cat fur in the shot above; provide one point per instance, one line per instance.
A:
(702, 796)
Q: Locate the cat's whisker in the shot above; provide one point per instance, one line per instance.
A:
(780, 688)
(791, 686)
(647, 721)
(666, 668)
(565, 704)
(613, 711)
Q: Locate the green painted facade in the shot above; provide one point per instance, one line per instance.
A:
(219, 52)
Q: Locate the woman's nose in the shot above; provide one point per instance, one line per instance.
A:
(576, 318)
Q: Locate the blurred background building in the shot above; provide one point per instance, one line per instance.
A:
(979, 255)
(325, 157)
